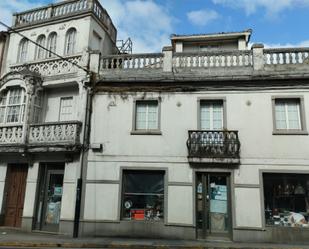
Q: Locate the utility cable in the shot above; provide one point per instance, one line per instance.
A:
(46, 49)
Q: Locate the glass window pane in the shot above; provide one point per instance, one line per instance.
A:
(211, 115)
(146, 115)
(143, 195)
(281, 122)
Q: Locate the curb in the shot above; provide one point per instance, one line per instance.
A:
(125, 246)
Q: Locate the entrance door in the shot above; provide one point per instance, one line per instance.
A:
(15, 191)
(50, 197)
(213, 205)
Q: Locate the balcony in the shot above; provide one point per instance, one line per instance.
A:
(213, 147)
(47, 137)
(255, 64)
(51, 67)
(66, 9)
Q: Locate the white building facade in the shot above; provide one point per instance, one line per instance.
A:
(206, 140)
(45, 94)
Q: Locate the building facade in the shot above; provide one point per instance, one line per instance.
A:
(45, 94)
(205, 140)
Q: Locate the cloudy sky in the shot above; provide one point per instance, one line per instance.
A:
(150, 22)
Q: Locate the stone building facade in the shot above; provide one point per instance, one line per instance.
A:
(45, 95)
(206, 140)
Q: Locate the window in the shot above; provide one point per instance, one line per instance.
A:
(288, 114)
(40, 52)
(211, 115)
(12, 106)
(37, 109)
(143, 195)
(66, 109)
(70, 41)
(23, 50)
(146, 115)
(52, 44)
(286, 199)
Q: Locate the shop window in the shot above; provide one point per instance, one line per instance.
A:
(146, 115)
(143, 195)
(286, 199)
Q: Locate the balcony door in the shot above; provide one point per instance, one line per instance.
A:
(50, 197)
(213, 208)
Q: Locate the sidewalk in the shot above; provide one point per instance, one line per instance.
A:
(16, 238)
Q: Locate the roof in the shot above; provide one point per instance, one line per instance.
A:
(213, 36)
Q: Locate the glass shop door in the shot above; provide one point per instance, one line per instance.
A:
(213, 209)
(49, 200)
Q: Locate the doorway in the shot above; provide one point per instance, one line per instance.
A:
(16, 181)
(213, 206)
(49, 197)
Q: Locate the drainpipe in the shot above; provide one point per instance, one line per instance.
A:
(93, 67)
(83, 158)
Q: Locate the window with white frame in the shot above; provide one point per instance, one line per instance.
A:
(22, 50)
(52, 44)
(12, 106)
(147, 115)
(70, 41)
(288, 114)
(211, 115)
(40, 52)
(37, 109)
(66, 109)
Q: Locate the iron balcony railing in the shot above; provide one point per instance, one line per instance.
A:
(213, 144)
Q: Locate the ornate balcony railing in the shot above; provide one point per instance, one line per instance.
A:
(285, 56)
(11, 135)
(66, 9)
(52, 66)
(55, 133)
(132, 61)
(213, 144)
(213, 59)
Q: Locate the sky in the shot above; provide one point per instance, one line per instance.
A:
(149, 23)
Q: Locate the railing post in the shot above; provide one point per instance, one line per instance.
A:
(167, 59)
(258, 56)
(50, 13)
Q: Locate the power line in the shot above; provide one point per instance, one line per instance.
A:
(46, 49)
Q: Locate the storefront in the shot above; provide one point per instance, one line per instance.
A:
(286, 199)
(49, 197)
(213, 206)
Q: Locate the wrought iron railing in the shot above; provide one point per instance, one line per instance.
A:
(213, 144)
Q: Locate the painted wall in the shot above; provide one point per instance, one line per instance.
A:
(249, 112)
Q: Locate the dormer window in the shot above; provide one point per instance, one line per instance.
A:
(40, 52)
(52, 44)
(70, 41)
(22, 50)
(12, 106)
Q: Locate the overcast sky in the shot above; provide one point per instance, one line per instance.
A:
(151, 22)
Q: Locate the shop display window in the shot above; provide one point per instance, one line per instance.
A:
(143, 195)
(286, 199)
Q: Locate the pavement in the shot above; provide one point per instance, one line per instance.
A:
(14, 238)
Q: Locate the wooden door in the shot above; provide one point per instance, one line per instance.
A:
(15, 189)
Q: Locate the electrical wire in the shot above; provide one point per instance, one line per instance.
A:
(46, 49)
